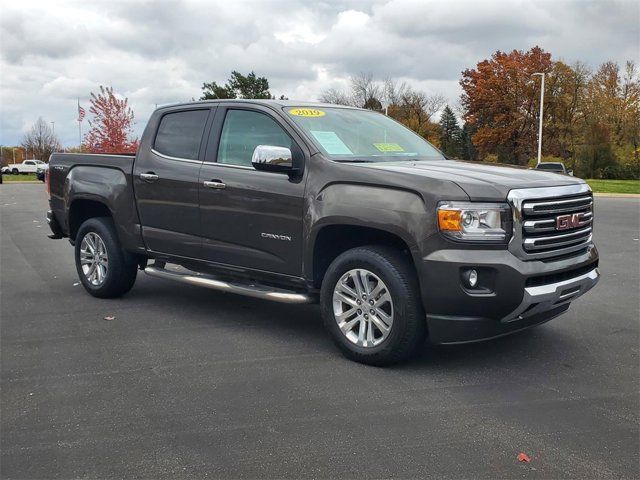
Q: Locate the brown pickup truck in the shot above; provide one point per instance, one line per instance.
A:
(297, 203)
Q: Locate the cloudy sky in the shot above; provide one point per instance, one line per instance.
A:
(53, 52)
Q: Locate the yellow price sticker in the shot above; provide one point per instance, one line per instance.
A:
(306, 112)
(388, 147)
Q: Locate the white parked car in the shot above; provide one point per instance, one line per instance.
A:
(28, 166)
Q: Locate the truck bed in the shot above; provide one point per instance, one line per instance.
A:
(123, 161)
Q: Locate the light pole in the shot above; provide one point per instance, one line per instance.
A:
(541, 114)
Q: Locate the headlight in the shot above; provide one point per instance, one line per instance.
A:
(475, 222)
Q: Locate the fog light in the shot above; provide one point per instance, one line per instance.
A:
(472, 278)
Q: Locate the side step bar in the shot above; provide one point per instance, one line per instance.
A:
(257, 291)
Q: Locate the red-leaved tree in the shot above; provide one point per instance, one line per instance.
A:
(111, 127)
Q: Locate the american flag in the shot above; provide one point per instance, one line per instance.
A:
(81, 112)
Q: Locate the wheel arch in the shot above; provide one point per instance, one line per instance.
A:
(333, 239)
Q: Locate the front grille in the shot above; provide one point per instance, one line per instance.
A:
(552, 222)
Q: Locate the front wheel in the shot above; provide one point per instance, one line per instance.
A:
(15, 171)
(371, 305)
(104, 268)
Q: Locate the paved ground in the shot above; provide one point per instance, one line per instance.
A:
(187, 382)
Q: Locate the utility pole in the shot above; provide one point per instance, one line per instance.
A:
(541, 116)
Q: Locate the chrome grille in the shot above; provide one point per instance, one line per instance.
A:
(550, 222)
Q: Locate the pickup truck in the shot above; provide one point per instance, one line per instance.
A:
(555, 167)
(300, 203)
(28, 166)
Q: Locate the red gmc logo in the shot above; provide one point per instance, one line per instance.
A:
(564, 222)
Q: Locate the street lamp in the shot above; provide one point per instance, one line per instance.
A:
(541, 112)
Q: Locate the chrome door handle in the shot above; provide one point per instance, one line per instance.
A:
(217, 184)
(149, 177)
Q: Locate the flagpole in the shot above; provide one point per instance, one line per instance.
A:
(79, 127)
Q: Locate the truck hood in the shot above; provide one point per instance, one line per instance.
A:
(480, 181)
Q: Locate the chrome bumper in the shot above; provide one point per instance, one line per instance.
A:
(545, 297)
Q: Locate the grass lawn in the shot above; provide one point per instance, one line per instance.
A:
(29, 177)
(615, 186)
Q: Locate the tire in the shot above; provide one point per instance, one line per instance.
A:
(110, 278)
(15, 171)
(403, 315)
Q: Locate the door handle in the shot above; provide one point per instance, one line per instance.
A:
(149, 177)
(217, 184)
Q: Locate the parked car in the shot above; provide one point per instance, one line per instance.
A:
(555, 167)
(41, 172)
(302, 203)
(28, 166)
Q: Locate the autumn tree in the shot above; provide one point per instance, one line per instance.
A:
(238, 86)
(41, 140)
(411, 107)
(111, 128)
(500, 102)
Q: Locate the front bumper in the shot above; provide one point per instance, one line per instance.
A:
(521, 294)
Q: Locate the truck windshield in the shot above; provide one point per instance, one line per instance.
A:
(349, 135)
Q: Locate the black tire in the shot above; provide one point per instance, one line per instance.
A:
(15, 171)
(122, 266)
(408, 330)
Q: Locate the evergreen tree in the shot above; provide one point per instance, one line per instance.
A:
(467, 150)
(450, 133)
(238, 86)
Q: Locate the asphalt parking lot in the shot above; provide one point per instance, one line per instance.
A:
(187, 382)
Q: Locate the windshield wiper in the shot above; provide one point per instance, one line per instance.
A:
(355, 160)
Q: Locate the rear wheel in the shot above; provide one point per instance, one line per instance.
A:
(104, 268)
(15, 171)
(371, 305)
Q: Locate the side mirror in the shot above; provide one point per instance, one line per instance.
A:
(273, 159)
(570, 171)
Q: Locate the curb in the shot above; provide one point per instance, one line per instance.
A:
(25, 182)
(617, 195)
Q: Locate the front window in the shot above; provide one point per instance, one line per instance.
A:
(243, 131)
(349, 135)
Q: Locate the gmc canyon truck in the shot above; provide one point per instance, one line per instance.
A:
(301, 203)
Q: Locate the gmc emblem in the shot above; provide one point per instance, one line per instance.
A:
(564, 222)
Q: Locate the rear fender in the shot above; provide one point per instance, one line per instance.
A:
(112, 188)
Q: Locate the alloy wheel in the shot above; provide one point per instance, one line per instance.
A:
(363, 308)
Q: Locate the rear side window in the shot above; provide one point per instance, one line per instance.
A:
(180, 133)
(549, 166)
(243, 131)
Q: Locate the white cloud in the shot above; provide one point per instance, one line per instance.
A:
(52, 53)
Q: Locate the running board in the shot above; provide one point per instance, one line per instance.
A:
(257, 291)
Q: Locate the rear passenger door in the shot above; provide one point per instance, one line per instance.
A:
(166, 182)
(250, 218)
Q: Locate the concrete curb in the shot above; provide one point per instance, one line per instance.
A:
(618, 195)
(26, 182)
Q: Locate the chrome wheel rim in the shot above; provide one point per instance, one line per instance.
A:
(94, 259)
(363, 308)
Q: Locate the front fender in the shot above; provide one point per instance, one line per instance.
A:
(396, 211)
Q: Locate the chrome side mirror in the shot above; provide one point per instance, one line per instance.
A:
(272, 159)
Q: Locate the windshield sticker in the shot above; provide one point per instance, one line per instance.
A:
(306, 112)
(331, 143)
(388, 147)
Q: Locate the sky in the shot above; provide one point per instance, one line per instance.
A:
(54, 52)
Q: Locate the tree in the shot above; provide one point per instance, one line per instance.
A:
(500, 100)
(410, 107)
(450, 134)
(467, 149)
(111, 126)
(238, 86)
(41, 140)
